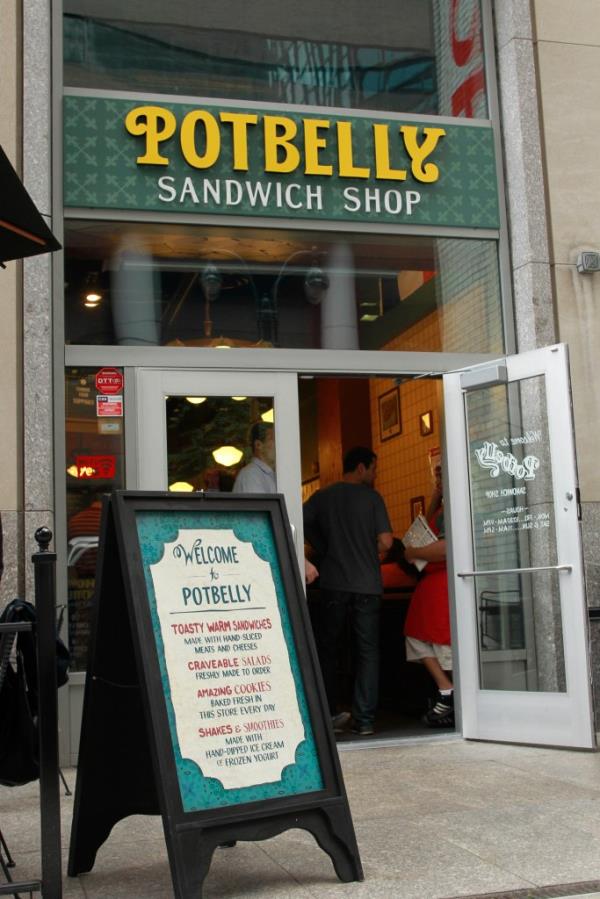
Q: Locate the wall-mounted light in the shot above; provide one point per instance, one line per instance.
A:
(316, 282)
(196, 400)
(181, 487)
(227, 455)
(268, 416)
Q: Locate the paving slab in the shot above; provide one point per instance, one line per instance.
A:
(435, 819)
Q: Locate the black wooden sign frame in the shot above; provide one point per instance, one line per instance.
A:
(127, 761)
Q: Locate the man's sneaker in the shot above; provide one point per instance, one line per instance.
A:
(363, 730)
(442, 713)
(340, 721)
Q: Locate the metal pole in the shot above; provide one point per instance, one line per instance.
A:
(45, 605)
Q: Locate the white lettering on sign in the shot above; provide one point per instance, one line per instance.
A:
(229, 192)
(491, 457)
(372, 199)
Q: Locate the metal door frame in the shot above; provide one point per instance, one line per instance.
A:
(148, 471)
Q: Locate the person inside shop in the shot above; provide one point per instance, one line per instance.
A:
(258, 476)
(427, 625)
(310, 571)
(347, 525)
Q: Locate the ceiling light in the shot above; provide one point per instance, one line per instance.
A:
(211, 280)
(181, 487)
(196, 400)
(91, 290)
(239, 399)
(268, 415)
(220, 343)
(227, 455)
(369, 317)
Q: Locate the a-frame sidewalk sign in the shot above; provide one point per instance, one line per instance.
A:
(203, 700)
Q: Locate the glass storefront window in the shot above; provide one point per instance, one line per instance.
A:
(181, 285)
(417, 56)
(94, 465)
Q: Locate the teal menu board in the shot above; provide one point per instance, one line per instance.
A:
(234, 692)
(202, 661)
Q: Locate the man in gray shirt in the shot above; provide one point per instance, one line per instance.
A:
(348, 526)
(258, 476)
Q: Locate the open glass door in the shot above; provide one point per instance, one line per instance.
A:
(521, 618)
(194, 432)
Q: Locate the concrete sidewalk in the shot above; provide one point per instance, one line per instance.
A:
(435, 819)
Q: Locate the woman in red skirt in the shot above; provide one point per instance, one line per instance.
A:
(427, 626)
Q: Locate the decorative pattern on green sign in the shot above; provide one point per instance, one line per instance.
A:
(101, 169)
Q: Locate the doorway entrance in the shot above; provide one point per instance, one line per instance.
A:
(520, 631)
(400, 419)
(194, 433)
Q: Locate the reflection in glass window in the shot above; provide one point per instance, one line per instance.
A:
(95, 453)
(181, 285)
(420, 56)
(513, 523)
(211, 439)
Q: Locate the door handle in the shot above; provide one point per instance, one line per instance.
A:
(514, 570)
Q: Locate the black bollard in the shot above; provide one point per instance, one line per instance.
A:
(44, 563)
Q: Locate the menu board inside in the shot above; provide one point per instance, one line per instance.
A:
(236, 704)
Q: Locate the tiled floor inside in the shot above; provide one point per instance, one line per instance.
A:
(437, 819)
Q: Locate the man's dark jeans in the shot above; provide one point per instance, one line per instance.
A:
(363, 613)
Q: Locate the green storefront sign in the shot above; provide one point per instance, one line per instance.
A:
(218, 159)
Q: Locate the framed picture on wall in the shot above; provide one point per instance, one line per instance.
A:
(417, 507)
(390, 418)
(426, 423)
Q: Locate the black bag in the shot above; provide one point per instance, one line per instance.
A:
(19, 696)
(19, 762)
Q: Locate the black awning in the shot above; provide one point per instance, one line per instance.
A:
(23, 231)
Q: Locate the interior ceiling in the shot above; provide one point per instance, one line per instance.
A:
(108, 241)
